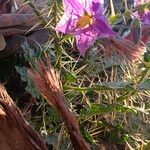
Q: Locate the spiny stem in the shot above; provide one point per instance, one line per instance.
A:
(126, 5)
(112, 8)
(44, 22)
(143, 75)
(132, 93)
(57, 40)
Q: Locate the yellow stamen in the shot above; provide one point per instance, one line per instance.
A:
(84, 20)
(146, 10)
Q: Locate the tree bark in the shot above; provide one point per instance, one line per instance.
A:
(15, 132)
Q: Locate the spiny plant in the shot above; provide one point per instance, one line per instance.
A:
(108, 93)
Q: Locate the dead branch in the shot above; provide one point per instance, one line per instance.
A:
(15, 132)
(48, 83)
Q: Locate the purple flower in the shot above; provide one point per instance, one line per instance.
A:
(138, 2)
(85, 20)
(142, 14)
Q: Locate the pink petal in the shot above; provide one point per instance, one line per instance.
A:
(72, 6)
(97, 7)
(84, 41)
(138, 2)
(102, 27)
(66, 24)
(146, 18)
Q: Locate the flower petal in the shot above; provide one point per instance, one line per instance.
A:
(102, 27)
(138, 2)
(72, 6)
(97, 7)
(84, 41)
(66, 23)
(93, 6)
(146, 18)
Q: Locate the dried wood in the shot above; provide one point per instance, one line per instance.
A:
(15, 132)
(47, 81)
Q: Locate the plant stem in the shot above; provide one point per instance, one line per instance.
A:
(112, 8)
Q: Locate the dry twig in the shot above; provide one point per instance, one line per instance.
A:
(15, 132)
(48, 83)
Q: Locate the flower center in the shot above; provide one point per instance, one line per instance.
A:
(146, 10)
(84, 20)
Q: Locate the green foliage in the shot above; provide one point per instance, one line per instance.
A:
(100, 109)
(30, 86)
(110, 96)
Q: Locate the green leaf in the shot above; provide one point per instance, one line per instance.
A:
(114, 19)
(70, 77)
(147, 57)
(118, 85)
(144, 86)
(23, 72)
(124, 86)
(30, 88)
(51, 139)
(65, 38)
(98, 109)
(136, 31)
(87, 136)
